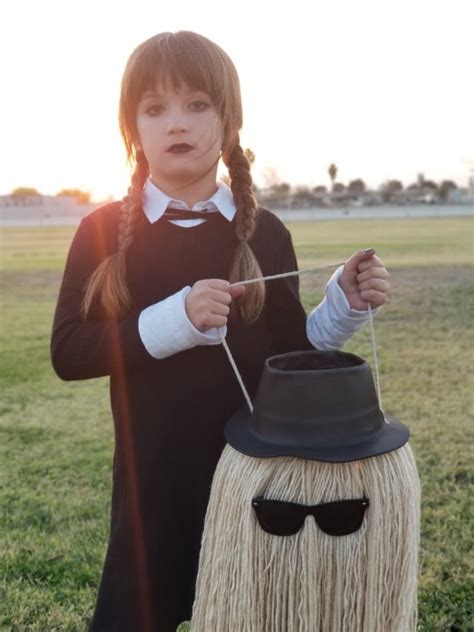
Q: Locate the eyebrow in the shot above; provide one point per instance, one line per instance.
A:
(154, 93)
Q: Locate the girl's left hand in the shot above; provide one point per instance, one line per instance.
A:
(365, 279)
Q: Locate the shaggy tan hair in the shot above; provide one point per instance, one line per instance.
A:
(251, 581)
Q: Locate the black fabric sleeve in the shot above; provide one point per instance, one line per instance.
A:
(98, 346)
(286, 317)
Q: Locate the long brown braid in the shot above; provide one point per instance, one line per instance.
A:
(109, 277)
(245, 264)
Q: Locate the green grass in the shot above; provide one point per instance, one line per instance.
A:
(56, 438)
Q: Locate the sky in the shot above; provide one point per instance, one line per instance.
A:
(384, 89)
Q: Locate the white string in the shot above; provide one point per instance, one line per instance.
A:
(294, 273)
(236, 370)
(376, 364)
(285, 274)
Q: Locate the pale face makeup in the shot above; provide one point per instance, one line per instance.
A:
(181, 136)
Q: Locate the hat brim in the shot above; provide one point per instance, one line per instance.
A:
(241, 435)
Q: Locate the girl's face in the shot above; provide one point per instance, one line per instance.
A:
(166, 119)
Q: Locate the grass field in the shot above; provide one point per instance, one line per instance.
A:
(56, 438)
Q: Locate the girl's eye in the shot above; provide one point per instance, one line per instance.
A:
(198, 106)
(155, 107)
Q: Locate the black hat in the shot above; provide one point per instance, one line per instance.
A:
(318, 405)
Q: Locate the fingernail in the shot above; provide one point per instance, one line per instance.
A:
(369, 251)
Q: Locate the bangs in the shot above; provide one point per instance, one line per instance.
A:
(173, 64)
(174, 61)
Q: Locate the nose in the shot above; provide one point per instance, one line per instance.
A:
(177, 122)
(174, 128)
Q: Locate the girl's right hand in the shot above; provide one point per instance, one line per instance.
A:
(207, 304)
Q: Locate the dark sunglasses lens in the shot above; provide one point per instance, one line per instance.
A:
(277, 517)
(341, 517)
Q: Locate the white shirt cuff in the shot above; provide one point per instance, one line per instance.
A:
(165, 328)
(333, 321)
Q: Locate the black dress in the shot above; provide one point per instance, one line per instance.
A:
(168, 414)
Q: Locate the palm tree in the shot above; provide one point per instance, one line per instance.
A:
(332, 172)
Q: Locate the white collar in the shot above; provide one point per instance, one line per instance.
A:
(156, 202)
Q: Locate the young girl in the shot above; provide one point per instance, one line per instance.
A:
(145, 287)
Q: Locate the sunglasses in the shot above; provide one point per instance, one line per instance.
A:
(340, 517)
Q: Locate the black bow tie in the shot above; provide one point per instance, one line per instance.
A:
(175, 213)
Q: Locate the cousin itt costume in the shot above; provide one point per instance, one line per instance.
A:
(313, 518)
(169, 414)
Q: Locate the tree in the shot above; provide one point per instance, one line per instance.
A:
(82, 197)
(320, 189)
(24, 192)
(445, 187)
(303, 193)
(390, 187)
(332, 172)
(282, 189)
(357, 186)
(338, 187)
